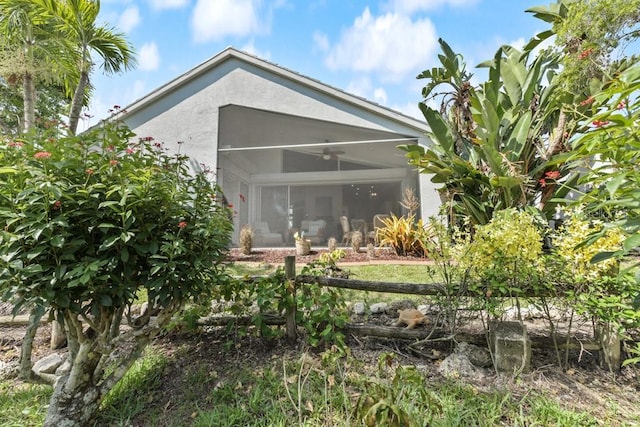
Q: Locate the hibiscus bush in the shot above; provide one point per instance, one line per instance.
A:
(90, 223)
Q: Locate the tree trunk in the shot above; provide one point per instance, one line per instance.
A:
(78, 393)
(58, 337)
(78, 102)
(29, 99)
(27, 343)
(76, 398)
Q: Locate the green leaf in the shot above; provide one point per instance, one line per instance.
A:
(615, 183)
(632, 242)
(439, 128)
(108, 242)
(124, 254)
(57, 241)
(106, 301)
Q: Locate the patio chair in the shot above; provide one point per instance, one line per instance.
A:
(346, 231)
(378, 222)
(359, 225)
(263, 236)
(314, 230)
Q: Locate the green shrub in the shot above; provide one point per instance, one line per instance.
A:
(86, 223)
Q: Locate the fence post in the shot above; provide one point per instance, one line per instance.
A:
(290, 277)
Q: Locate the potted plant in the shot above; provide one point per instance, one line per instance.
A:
(303, 246)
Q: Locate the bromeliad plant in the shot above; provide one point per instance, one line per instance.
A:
(498, 145)
(89, 222)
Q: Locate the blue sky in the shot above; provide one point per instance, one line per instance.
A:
(373, 49)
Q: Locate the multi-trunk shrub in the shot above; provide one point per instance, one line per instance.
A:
(89, 223)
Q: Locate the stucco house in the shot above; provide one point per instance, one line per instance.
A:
(290, 152)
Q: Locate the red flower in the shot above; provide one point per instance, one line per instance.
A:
(552, 174)
(622, 104)
(542, 182)
(42, 155)
(57, 205)
(585, 53)
(600, 123)
(130, 150)
(230, 206)
(113, 162)
(89, 171)
(182, 225)
(242, 197)
(16, 144)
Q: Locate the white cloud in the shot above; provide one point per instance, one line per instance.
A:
(139, 89)
(359, 87)
(411, 6)
(251, 49)
(411, 109)
(129, 19)
(149, 57)
(321, 41)
(391, 45)
(168, 4)
(215, 19)
(380, 96)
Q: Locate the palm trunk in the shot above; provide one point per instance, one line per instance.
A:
(29, 99)
(77, 102)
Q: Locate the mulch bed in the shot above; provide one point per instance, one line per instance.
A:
(278, 255)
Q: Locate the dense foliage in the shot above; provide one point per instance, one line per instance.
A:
(90, 223)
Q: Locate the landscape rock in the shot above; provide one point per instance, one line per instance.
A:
(379, 308)
(64, 368)
(511, 347)
(458, 365)
(478, 356)
(48, 364)
(359, 308)
(394, 306)
(9, 370)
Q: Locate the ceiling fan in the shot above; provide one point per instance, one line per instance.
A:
(329, 154)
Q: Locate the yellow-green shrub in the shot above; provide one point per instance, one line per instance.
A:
(576, 256)
(505, 254)
(404, 234)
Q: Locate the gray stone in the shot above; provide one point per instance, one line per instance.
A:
(48, 364)
(9, 370)
(64, 368)
(458, 365)
(429, 308)
(403, 304)
(359, 308)
(379, 308)
(511, 347)
(479, 356)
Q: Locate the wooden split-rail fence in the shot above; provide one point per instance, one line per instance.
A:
(608, 343)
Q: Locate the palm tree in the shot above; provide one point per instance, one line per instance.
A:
(75, 20)
(26, 48)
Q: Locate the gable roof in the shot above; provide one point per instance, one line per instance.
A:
(232, 53)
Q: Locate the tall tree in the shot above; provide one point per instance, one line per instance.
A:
(75, 20)
(26, 49)
(593, 38)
